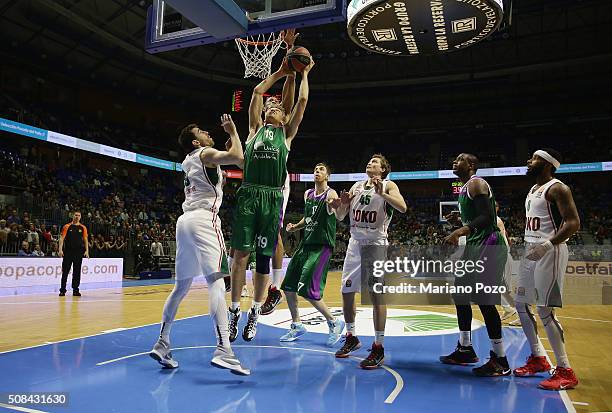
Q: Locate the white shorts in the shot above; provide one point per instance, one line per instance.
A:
(200, 248)
(541, 282)
(351, 270)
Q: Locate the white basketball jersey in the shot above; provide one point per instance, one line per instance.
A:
(370, 214)
(543, 219)
(203, 186)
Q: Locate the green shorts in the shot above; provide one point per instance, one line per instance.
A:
(307, 271)
(257, 219)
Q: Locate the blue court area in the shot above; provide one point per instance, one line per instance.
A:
(113, 373)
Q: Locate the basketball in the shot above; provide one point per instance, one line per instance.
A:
(298, 58)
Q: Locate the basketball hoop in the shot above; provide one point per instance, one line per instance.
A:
(257, 52)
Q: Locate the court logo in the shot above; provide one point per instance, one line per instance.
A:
(384, 35)
(426, 322)
(400, 322)
(464, 25)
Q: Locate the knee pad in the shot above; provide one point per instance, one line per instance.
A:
(523, 308)
(546, 314)
(262, 264)
(211, 278)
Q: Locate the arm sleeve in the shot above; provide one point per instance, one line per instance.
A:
(85, 236)
(484, 218)
(65, 230)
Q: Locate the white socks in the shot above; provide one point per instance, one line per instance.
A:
(350, 328)
(555, 335)
(497, 344)
(181, 287)
(465, 338)
(164, 334)
(216, 299)
(379, 337)
(530, 328)
(277, 277)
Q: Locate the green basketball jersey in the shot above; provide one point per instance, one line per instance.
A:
(488, 235)
(320, 228)
(265, 157)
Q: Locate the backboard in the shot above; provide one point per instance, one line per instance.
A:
(170, 29)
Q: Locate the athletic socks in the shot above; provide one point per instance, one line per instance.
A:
(235, 305)
(277, 277)
(164, 334)
(530, 328)
(379, 337)
(350, 328)
(257, 306)
(554, 331)
(216, 298)
(497, 344)
(465, 338)
(181, 287)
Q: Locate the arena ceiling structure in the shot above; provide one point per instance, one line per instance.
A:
(549, 67)
(105, 38)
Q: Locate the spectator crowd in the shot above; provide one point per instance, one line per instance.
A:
(124, 209)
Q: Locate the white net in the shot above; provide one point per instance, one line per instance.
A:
(257, 52)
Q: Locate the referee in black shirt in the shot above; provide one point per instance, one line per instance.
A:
(73, 246)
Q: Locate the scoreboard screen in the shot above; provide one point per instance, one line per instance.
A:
(237, 100)
(456, 187)
(238, 104)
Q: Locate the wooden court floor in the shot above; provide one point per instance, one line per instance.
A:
(31, 320)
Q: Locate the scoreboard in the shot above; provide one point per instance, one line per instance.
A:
(456, 187)
(238, 104)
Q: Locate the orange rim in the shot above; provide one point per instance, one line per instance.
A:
(266, 43)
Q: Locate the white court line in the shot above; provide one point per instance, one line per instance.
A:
(563, 393)
(20, 409)
(54, 293)
(580, 403)
(93, 335)
(80, 300)
(399, 381)
(585, 319)
(114, 330)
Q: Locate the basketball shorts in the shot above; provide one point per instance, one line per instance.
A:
(541, 282)
(200, 248)
(307, 271)
(352, 271)
(257, 219)
(486, 278)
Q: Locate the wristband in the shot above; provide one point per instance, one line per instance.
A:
(548, 245)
